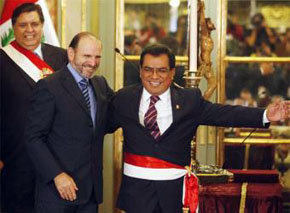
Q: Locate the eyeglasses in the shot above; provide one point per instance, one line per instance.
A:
(159, 71)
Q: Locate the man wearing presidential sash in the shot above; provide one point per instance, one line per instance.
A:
(159, 121)
(23, 62)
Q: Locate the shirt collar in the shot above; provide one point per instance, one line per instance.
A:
(74, 73)
(38, 51)
(163, 97)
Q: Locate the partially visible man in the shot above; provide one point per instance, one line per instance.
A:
(22, 64)
(159, 120)
(65, 131)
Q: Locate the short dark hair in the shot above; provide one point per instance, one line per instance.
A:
(76, 39)
(129, 39)
(156, 50)
(25, 8)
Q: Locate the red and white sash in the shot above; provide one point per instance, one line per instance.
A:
(150, 168)
(30, 63)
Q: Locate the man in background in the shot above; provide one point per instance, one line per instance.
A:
(65, 131)
(22, 63)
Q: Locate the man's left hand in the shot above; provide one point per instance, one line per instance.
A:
(278, 111)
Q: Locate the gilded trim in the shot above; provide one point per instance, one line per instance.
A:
(84, 16)
(63, 22)
(243, 197)
(236, 59)
(137, 58)
(264, 141)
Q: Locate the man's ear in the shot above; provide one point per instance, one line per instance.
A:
(140, 70)
(70, 53)
(172, 70)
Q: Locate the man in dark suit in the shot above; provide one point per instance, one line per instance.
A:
(159, 120)
(65, 131)
(20, 69)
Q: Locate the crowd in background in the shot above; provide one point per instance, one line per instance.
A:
(262, 82)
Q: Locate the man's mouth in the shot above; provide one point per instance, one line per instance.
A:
(29, 37)
(154, 83)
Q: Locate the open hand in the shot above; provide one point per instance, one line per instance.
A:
(66, 186)
(278, 111)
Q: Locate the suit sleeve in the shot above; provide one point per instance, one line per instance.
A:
(111, 124)
(39, 121)
(230, 116)
(109, 91)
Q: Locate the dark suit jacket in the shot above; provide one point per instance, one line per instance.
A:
(61, 137)
(16, 88)
(189, 111)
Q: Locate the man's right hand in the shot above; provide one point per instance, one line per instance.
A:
(66, 186)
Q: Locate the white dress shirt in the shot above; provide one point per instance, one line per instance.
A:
(163, 107)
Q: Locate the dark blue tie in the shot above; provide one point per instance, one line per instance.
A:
(84, 84)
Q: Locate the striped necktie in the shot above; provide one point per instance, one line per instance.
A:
(150, 118)
(84, 84)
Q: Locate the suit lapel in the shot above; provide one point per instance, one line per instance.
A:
(176, 103)
(135, 100)
(72, 88)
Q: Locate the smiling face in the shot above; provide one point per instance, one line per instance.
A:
(86, 57)
(28, 30)
(156, 74)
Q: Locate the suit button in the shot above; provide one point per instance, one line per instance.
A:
(156, 145)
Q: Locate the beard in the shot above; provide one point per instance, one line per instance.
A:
(86, 70)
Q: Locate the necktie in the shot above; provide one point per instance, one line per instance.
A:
(150, 118)
(84, 84)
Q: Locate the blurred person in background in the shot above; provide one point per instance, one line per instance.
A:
(260, 34)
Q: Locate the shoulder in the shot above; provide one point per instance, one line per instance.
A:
(100, 81)
(102, 84)
(53, 80)
(128, 94)
(129, 90)
(186, 92)
(51, 47)
(56, 50)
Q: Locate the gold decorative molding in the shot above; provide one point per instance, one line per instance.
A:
(63, 22)
(137, 58)
(119, 81)
(236, 59)
(84, 15)
(221, 66)
(263, 141)
(243, 197)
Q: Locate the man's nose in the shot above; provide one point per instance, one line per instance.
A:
(29, 28)
(155, 74)
(93, 62)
